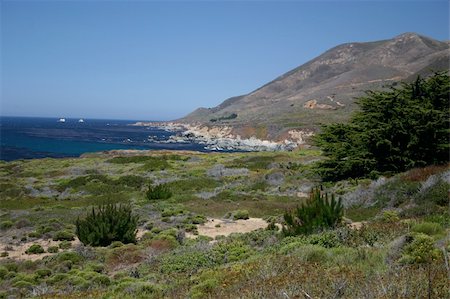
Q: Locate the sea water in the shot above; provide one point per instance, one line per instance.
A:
(31, 137)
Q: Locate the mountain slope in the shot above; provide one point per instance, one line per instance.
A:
(324, 89)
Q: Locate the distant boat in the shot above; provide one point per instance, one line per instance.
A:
(81, 120)
(62, 120)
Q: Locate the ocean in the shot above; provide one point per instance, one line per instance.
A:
(32, 137)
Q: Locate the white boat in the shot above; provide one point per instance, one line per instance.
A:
(62, 120)
(81, 120)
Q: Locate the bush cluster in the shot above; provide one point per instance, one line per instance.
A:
(161, 191)
(317, 213)
(106, 224)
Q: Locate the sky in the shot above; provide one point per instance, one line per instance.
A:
(160, 60)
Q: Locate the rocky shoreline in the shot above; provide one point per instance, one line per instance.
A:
(221, 138)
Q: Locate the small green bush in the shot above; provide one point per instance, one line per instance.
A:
(390, 216)
(53, 249)
(161, 191)
(420, 250)
(35, 234)
(41, 273)
(240, 214)
(106, 224)
(35, 249)
(318, 213)
(65, 244)
(133, 181)
(428, 228)
(6, 224)
(3, 272)
(63, 235)
(198, 219)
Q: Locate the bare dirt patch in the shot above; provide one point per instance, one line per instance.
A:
(17, 251)
(222, 227)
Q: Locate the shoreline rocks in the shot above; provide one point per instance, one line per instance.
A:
(221, 138)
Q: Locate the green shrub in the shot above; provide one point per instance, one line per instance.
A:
(139, 289)
(6, 224)
(35, 249)
(172, 212)
(106, 224)
(390, 216)
(41, 273)
(34, 234)
(428, 228)
(232, 251)
(318, 213)
(198, 219)
(53, 249)
(161, 191)
(420, 250)
(63, 235)
(438, 194)
(312, 253)
(3, 272)
(133, 181)
(65, 245)
(203, 288)
(240, 214)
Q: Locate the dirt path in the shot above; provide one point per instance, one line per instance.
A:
(221, 227)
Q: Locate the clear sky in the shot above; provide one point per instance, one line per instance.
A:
(154, 60)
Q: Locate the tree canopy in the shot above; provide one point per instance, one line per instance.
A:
(394, 130)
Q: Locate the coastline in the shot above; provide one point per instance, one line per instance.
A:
(222, 138)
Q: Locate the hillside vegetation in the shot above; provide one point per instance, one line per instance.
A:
(396, 247)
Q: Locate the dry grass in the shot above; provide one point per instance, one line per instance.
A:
(422, 174)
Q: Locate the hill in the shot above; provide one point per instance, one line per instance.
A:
(323, 90)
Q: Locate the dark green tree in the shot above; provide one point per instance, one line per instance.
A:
(317, 213)
(106, 224)
(393, 131)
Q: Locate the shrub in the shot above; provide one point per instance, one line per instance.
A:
(35, 249)
(6, 224)
(65, 244)
(240, 214)
(428, 228)
(161, 191)
(3, 272)
(420, 250)
(317, 213)
(41, 273)
(63, 235)
(106, 224)
(35, 234)
(390, 216)
(133, 181)
(53, 249)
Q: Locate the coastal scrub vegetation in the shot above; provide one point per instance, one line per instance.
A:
(393, 131)
(106, 224)
(319, 212)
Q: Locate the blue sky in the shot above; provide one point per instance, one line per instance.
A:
(154, 60)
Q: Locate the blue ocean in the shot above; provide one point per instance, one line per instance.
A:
(30, 137)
